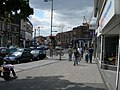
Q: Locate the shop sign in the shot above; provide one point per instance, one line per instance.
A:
(107, 14)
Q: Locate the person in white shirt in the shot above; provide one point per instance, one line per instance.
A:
(80, 50)
(9, 67)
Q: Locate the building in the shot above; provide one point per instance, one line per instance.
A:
(26, 30)
(17, 34)
(40, 40)
(9, 34)
(108, 37)
(80, 36)
(108, 29)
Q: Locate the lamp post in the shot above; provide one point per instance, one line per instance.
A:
(51, 50)
(39, 29)
(39, 34)
(51, 15)
(35, 37)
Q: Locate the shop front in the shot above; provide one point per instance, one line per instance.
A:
(108, 39)
(108, 35)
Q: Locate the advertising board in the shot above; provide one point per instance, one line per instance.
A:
(108, 13)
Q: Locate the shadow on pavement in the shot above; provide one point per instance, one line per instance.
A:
(48, 83)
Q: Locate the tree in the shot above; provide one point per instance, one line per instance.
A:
(20, 8)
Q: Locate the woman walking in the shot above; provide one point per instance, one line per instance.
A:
(76, 55)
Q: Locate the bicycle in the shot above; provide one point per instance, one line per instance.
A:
(58, 52)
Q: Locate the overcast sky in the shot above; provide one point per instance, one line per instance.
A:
(67, 14)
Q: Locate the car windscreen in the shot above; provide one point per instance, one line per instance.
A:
(17, 53)
(3, 50)
(20, 49)
(35, 51)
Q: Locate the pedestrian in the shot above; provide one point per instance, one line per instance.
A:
(9, 67)
(80, 50)
(76, 55)
(51, 50)
(70, 52)
(86, 55)
(91, 50)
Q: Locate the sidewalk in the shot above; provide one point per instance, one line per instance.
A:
(86, 73)
(109, 77)
(59, 75)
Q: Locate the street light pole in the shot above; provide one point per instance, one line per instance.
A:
(39, 33)
(35, 37)
(51, 15)
(51, 50)
(39, 29)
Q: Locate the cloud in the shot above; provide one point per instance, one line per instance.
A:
(67, 12)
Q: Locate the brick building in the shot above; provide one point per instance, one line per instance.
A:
(79, 36)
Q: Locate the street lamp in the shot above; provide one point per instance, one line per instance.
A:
(39, 33)
(39, 29)
(51, 15)
(35, 37)
(51, 50)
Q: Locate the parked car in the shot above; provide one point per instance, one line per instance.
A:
(12, 49)
(4, 51)
(58, 48)
(32, 48)
(41, 48)
(24, 49)
(46, 47)
(18, 57)
(38, 54)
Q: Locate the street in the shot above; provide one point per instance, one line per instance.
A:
(53, 74)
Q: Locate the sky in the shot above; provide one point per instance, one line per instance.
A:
(67, 14)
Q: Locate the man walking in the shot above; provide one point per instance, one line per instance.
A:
(76, 55)
(90, 53)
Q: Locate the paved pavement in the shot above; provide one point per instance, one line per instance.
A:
(53, 74)
(110, 78)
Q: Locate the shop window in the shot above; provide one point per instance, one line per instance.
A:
(111, 48)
